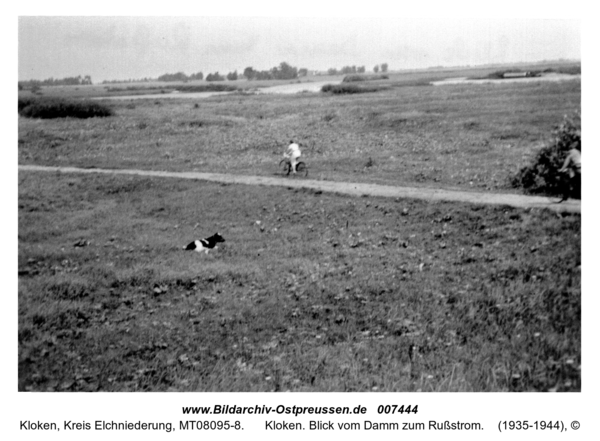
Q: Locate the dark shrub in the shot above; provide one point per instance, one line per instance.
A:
(353, 78)
(348, 88)
(207, 88)
(499, 74)
(542, 175)
(24, 102)
(60, 108)
(570, 70)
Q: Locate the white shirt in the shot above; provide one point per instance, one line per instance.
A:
(294, 150)
(573, 161)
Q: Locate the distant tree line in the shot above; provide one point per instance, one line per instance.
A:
(346, 70)
(130, 80)
(215, 77)
(284, 71)
(349, 70)
(68, 81)
(180, 76)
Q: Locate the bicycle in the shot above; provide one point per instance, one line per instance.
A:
(569, 186)
(286, 168)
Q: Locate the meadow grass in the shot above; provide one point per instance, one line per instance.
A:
(310, 291)
(460, 136)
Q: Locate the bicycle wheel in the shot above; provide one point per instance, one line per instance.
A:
(285, 167)
(302, 169)
(567, 189)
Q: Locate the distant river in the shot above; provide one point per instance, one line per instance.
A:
(163, 96)
(296, 87)
(547, 77)
(281, 89)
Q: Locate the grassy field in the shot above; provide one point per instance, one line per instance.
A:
(470, 137)
(311, 291)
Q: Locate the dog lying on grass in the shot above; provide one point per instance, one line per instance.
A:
(204, 244)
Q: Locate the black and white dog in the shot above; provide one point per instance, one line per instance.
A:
(205, 244)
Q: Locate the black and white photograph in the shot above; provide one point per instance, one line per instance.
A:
(304, 220)
(297, 204)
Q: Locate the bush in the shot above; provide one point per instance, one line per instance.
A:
(60, 108)
(353, 78)
(24, 102)
(570, 70)
(499, 74)
(542, 175)
(207, 88)
(347, 88)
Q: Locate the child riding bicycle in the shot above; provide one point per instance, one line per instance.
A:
(572, 166)
(292, 153)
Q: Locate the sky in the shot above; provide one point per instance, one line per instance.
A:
(130, 47)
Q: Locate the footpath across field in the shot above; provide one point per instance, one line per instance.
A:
(359, 189)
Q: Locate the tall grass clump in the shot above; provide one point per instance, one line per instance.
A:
(541, 176)
(47, 108)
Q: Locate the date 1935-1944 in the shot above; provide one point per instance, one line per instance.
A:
(531, 425)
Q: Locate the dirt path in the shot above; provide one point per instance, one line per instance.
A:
(358, 189)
